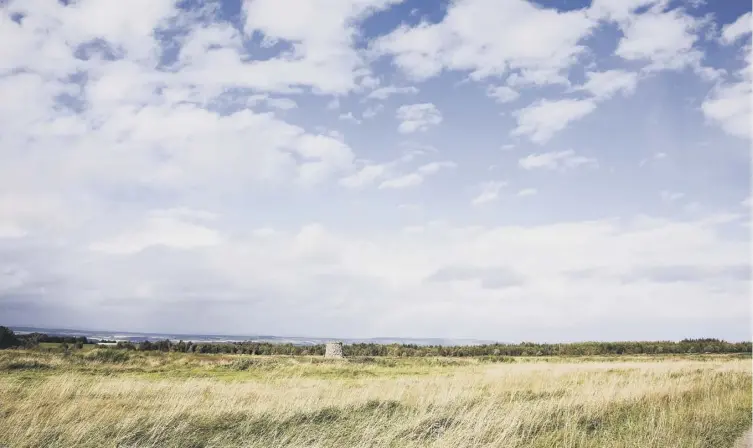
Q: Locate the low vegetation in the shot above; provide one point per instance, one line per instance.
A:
(686, 346)
(118, 398)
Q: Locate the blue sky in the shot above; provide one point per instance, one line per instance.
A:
(510, 170)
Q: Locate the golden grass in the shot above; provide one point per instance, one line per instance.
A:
(217, 401)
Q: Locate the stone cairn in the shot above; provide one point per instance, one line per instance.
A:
(334, 350)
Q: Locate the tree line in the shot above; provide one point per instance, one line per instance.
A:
(8, 339)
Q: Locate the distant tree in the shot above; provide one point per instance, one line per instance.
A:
(8, 338)
(125, 345)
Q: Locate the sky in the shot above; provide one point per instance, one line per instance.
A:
(551, 170)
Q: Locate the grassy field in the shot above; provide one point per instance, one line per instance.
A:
(109, 398)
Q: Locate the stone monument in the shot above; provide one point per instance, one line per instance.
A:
(333, 350)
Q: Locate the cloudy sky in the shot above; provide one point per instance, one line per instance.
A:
(549, 170)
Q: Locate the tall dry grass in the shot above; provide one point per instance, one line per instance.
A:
(49, 401)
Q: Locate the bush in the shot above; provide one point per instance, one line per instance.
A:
(110, 356)
(27, 365)
(242, 364)
(8, 339)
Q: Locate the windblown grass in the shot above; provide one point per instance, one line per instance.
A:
(172, 400)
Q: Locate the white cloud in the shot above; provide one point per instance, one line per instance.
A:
(556, 160)
(729, 106)
(507, 147)
(489, 192)
(622, 10)
(433, 167)
(483, 36)
(167, 228)
(25, 213)
(692, 207)
(410, 207)
(654, 157)
(324, 157)
(383, 93)
(367, 175)
(333, 104)
(282, 103)
(417, 117)
(663, 39)
(264, 232)
(322, 36)
(350, 118)
(527, 192)
(417, 177)
(502, 94)
(370, 172)
(671, 196)
(372, 111)
(617, 267)
(603, 85)
(739, 28)
(544, 118)
(405, 181)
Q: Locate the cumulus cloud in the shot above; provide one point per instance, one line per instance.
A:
(321, 38)
(169, 228)
(542, 119)
(488, 277)
(489, 192)
(481, 37)
(417, 177)
(372, 111)
(653, 158)
(391, 173)
(383, 93)
(623, 10)
(663, 39)
(728, 104)
(688, 273)
(556, 160)
(282, 103)
(417, 117)
(527, 192)
(502, 94)
(366, 175)
(603, 85)
(739, 28)
(349, 117)
(671, 196)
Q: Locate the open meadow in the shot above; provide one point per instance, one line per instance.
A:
(116, 398)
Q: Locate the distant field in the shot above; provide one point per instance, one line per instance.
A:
(114, 398)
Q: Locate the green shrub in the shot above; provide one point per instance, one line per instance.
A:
(110, 356)
(242, 364)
